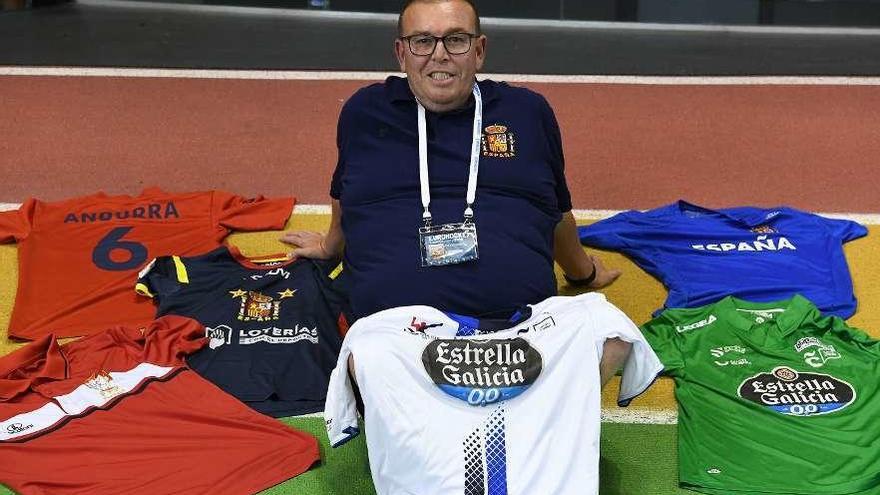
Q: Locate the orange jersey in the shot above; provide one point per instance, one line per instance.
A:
(78, 259)
(119, 412)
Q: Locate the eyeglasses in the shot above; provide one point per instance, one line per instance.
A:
(425, 44)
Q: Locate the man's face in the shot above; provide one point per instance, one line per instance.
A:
(441, 81)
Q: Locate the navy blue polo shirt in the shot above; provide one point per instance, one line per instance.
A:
(521, 194)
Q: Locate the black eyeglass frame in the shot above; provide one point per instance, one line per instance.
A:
(409, 38)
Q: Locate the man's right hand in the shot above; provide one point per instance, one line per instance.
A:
(308, 244)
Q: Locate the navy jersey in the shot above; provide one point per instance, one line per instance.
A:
(761, 255)
(273, 324)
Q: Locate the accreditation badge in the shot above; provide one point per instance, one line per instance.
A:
(448, 244)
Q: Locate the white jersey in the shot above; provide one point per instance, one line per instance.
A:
(449, 409)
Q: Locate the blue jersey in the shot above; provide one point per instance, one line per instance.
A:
(273, 325)
(761, 255)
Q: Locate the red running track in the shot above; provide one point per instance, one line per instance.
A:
(627, 146)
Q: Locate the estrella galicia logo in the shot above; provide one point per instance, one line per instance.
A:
(14, 428)
(787, 391)
(482, 372)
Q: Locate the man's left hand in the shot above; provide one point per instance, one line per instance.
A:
(604, 276)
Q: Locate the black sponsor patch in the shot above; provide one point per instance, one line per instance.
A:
(794, 393)
(482, 372)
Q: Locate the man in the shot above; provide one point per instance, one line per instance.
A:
(412, 229)
(521, 209)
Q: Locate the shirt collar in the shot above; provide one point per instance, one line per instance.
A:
(37, 362)
(752, 219)
(492, 322)
(397, 89)
(686, 208)
(795, 311)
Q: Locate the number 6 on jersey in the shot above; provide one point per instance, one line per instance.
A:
(113, 241)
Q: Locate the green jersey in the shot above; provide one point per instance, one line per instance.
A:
(772, 398)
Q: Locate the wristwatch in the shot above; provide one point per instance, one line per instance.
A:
(581, 282)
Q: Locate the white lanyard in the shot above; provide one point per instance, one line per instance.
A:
(475, 158)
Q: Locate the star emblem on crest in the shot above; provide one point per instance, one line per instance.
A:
(238, 293)
(286, 293)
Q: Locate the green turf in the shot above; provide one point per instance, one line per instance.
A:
(636, 460)
(343, 470)
(639, 460)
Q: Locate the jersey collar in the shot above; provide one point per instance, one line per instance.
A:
(482, 325)
(36, 363)
(148, 192)
(795, 311)
(269, 262)
(682, 208)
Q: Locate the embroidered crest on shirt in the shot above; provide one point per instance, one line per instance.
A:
(498, 142)
(102, 382)
(764, 229)
(256, 306)
(817, 352)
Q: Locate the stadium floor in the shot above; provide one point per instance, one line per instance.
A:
(636, 144)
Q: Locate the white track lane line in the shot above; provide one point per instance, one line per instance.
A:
(378, 76)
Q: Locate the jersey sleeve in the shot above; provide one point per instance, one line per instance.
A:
(162, 277)
(343, 127)
(608, 233)
(340, 409)
(251, 214)
(335, 293)
(341, 288)
(845, 230)
(856, 338)
(15, 225)
(663, 338)
(557, 157)
(641, 366)
(167, 340)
